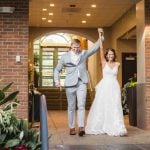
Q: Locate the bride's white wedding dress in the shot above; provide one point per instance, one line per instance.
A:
(106, 115)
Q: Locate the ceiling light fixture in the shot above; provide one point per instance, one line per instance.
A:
(83, 21)
(52, 5)
(49, 21)
(43, 18)
(50, 14)
(93, 5)
(88, 14)
(44, 9)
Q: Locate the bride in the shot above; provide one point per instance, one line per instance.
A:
(106, 115)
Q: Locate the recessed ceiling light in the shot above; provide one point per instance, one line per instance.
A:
(50, 14)
(44, 9)
(88, 14)
(52, 5)
(83, 21)
(93, 5)
(43, 18)
(49, 21)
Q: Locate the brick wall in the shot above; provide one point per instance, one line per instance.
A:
(147, 61)
(14, 41)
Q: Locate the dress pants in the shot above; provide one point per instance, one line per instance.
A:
(78, 92)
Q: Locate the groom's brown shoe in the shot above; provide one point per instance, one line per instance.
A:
(81, 131)
(72, 131)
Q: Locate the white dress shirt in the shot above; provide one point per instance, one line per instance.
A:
(75, 58)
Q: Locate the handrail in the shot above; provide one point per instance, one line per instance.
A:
(43, 124)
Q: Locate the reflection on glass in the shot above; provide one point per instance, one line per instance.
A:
(47, 53)
(47, 56)
(47, 62)
(47, 82)
(36, 52)
(48, 49)
(47, 72)
(36, 46)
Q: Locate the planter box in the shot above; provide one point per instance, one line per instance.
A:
(132, 105)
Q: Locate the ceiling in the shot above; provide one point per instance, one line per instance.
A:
(71, 13)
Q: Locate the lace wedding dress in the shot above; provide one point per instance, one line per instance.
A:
(106, 115)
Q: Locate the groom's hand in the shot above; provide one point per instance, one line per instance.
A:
(57, 83)
(100, 30)
(101, 34)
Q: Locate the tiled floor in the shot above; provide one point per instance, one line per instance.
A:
(60, 139)
(101, 147)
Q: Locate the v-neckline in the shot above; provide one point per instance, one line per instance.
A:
(112, 67)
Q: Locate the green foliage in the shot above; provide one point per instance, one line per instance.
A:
(14, 132)
(7, 98)
(131, 83)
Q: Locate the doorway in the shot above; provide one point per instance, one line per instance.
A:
(129, 67)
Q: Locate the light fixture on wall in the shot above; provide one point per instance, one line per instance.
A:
(7, 9)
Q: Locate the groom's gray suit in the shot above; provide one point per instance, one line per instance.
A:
(75, 83)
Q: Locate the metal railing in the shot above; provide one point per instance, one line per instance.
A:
(43, 124)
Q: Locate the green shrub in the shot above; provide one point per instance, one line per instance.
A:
(14, 132)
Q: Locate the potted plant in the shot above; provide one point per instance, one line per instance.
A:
(129, 101)
(14, 132)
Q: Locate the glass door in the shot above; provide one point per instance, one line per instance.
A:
(49, 59)
(47, 66)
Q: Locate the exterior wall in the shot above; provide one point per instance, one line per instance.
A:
(14, 41)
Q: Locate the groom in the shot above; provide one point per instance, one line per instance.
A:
(76, 81)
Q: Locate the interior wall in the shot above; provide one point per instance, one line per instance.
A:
(122, 26)
(127, 46)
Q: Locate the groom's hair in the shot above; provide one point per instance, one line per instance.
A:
(75, 41)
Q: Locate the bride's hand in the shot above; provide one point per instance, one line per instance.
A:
(101, 34)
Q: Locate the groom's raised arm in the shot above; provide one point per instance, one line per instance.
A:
(97, 44)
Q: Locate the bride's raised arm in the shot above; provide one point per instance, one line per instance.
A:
(101, 38)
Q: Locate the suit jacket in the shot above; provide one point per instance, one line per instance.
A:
(72, 69)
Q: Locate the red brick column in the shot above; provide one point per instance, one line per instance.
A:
(147, 61)
(14, 41)
(143, 64)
